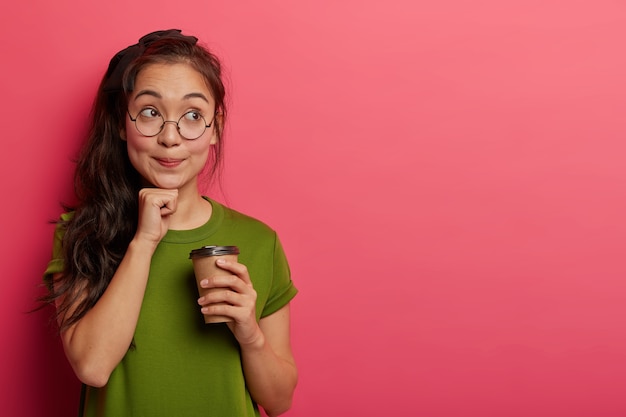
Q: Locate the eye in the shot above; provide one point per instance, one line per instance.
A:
(149, 113)
(193, 116)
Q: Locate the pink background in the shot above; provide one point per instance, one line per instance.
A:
(447, 177)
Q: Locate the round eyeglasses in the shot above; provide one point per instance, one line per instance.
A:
(191, 125)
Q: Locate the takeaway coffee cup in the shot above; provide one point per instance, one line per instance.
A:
(204, 265)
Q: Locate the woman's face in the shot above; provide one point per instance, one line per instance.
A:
(174, 92)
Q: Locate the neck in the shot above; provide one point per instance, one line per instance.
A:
(191, 211)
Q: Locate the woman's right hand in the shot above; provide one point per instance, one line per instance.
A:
(155, 207)
(97, 343)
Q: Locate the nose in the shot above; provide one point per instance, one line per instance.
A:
(169, 135)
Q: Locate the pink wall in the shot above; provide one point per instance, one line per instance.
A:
(468, 158)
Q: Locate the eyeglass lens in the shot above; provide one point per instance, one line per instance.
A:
(191, 125)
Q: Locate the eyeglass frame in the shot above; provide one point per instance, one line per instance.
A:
(206, 126)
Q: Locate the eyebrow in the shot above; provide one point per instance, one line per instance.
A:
(157, 95)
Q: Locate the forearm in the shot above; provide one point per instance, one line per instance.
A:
(267, 360)
(98, 342)
(270, 378)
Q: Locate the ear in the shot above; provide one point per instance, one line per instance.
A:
(217, 131)
(123, 134)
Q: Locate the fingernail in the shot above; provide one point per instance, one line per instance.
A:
(204, 282)
(200, 300)
(221, 261)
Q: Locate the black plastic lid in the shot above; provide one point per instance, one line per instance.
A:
(213, 251)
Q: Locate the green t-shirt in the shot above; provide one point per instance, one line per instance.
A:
(180, 366)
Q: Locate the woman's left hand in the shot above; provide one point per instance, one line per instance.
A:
(237, 299)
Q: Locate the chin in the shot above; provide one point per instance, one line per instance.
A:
(164, 184)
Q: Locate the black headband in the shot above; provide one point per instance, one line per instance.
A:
(123, 58)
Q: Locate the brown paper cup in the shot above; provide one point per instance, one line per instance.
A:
(204, 265)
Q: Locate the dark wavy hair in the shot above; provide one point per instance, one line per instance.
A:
(104, 220)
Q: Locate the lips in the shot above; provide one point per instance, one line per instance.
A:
(169, 162)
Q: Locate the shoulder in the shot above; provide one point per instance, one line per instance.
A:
(67, 216)
(242, 224)
(62, 222)
(237, 217)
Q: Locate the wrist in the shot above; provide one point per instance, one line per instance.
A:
(141, 246)
(255, 343)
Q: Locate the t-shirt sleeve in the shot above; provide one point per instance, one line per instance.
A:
(56, 263)
(283, 290)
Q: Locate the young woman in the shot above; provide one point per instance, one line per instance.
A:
(128, 308)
